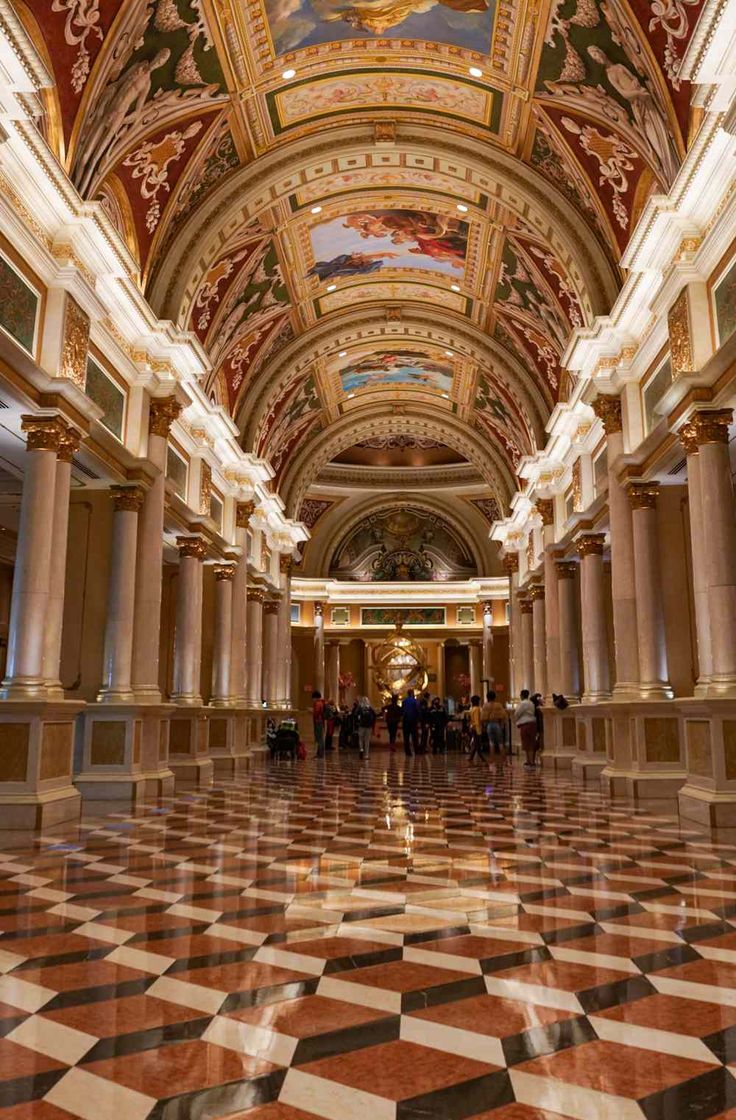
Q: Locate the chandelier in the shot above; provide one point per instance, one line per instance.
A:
(399, 663)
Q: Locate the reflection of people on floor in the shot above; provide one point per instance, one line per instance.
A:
(410, 723)
(392, 715)
(526, 720)
(437, 719)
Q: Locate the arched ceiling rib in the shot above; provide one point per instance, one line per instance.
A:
(290, 174)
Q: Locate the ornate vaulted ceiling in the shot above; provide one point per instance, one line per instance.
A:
(381, 218)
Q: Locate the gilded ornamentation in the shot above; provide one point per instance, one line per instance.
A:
(526, 606)
(271, 606)
(530, 556)
(75, 344)
(45, 433)
(192, 547)
(711, 425)
(256, 595)
(82, 21)
(69, 445)
(318, 610)
(546, 510)
(150, 163)
(511, 563)
(225, 573)
(205, 489)
(689, 439)
(384, 132)
(643, 495)
(577, 486)
(243, 513)
(678, 325)
(608, 410)
(565, 569)
(163, 412)
(286, 563)
(536, 593)
(127, 499)
(592, 544)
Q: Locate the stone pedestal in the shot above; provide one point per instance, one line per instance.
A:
(109, 755)
(709, 733)
(646, 759)
(560, 739)
(230, 741)
(36, 757)
(590, 733)
(188, 747)
(158, 778)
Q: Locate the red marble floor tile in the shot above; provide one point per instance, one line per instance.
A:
(308, 1016)
(189, 945)
(398, 1070)
(615, 945)
(562, 974)
(52, 945)
(183, 1067)
(492, 1015)
(623, 1071)
(716, 973)
(19, 1061)
(108, 1018)
(271, 923)
(150, 923)
(535, 923)
(273, 1111)
(80, 975)
(31, 919)
(722, 941)
(240, 976)
(329, 948)
(690, 1017)
(519, 1112)
(35, 1110)
(475, 947)
(649, 919)
(401, 976)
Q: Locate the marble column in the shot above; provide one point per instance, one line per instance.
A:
(699, 545)
(569, 655)
(526, 608)
(539, 639)
(117, 659)
(149, 563)
(319, 648)
(68, 447)
(255, 647)
(441, 670)
(545, 508)
(222, 652)
(271, 652)
(623, 581)
(649, 606)
(710, 432)
(188, 632)
(332, 671)
(511, 567)
(25, 671)
(476, 666)
(488, 642)
(239, 657)
(286, 564)
(596, 671)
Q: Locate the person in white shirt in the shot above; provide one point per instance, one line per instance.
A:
(526, 721)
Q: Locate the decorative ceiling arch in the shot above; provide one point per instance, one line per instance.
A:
(304, 466)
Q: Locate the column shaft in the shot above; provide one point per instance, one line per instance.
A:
(476, 662)
(488, 642)
(539, 640)
(569, 655)
(188, 633)
(117, 660)
(596, 670)
(648, 578)
(222, 653)
(57, 569)
(319, 649)
(271, 653)
(332, 671)
(527, 644)
(239, 661)
(285, 633)
(718, 523)
(255, 647)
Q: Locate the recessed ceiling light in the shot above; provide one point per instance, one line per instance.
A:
(450, 353)
(342, 354)
(288, 75)
(446, 396)
(350, 396)
(455, 287)
(462, 207)
(475, 72)
(331, 287)
(316, 209)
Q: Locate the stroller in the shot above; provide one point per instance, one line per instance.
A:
(285, 741)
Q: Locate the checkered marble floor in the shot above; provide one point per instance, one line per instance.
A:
(400, 940)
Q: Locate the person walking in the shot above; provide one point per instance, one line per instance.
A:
(476, 729)
(437, 718)
(330, 715)
(526, 721)
(366, 723)
(538, 702)
(392, 712)
(410, 723)
(318, 722)
(495, 716)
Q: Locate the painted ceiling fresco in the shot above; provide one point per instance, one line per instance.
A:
(404, 543)
(278, 168)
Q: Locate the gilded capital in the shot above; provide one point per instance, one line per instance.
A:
(488, 606)
(127, 499)
(224, 573)
(192, 547)
(163, 412)
(710, 425)
(565, 569)
(608, 410)
(546, 510)
(643, 495)
(526, 606)
(256, 595)
(45, 433)
(536, 592)
(69, 445)
(318, 610)
(243, 513)
(511, 563)
(689, 439)
(592, 544)
(271, 606)
(286, 563)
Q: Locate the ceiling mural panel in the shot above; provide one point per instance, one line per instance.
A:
(399, 368)
(402, 543)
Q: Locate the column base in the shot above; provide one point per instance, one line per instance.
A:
(720, 690)
(637, 786)
(709, 808)
(588, 770)
(110, 753)
(31, 690)
(655, 692)
(189, 760)
(157, 776)
(36, 753)
(110, 696)
(229, 742)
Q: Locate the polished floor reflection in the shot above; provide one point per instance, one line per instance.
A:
(405, 939)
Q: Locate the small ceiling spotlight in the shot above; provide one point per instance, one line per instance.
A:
(449, 353)
(455, 287)
(350, 396)
(446, 396)
(462, 207)
(331, 287)
(316, 209)
(342, 354)
(475, 72)
(288, 75)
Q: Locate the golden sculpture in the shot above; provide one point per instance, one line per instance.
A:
(399, 664)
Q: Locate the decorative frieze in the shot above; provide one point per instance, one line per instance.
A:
(681, 345)
(75, 343)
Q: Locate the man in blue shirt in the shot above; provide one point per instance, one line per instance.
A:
(410, 721)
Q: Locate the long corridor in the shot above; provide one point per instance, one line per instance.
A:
(409, 939)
